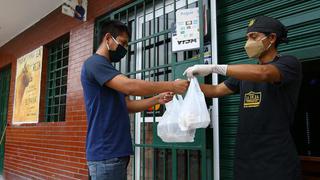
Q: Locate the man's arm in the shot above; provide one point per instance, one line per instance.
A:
(249, 72)
(213, 91)
(138, 87)
(141, 105)
(257, 73)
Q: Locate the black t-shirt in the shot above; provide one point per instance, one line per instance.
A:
(264, 144)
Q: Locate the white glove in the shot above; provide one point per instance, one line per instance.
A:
(205, 69)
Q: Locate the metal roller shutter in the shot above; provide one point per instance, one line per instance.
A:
(303, 21)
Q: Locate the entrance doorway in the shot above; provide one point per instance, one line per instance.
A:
(307, 120)
(150, 57)
(4, 96)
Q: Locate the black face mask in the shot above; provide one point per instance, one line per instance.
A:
(118, 54)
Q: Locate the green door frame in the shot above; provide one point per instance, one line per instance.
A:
(5, 75)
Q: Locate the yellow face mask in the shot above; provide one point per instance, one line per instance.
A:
(254, 48)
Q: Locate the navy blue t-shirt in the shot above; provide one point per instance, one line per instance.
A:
(108, 131)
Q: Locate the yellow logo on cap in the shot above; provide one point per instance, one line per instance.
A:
(251, 22)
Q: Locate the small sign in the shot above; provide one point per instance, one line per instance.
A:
(156, 111)
(206, 54)
(75, 8)
(186, 35)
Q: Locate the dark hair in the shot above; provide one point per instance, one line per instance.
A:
(277, 40)
(114, 27)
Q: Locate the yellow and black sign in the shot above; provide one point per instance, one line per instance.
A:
(252, 99)
(27, 88)
(156, 111)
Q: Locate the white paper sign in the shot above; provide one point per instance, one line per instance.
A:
(186, 35)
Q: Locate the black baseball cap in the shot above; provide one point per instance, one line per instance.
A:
(266, 24)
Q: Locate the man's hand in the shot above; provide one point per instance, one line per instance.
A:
(164, 98)
(198, 70)
(143, 104)
(204, 70)
(180, 86)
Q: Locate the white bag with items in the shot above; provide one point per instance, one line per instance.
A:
(194, 113)
(168, 128)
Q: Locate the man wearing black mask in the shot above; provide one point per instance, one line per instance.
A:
(268, 96)
(108, 144)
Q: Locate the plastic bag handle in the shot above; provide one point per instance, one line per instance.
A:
(194, 82)
(179, 99)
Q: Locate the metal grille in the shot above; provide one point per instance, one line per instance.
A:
(57, 80)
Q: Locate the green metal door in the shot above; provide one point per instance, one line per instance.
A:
(303, 20)
(4, 96)
(150, 58)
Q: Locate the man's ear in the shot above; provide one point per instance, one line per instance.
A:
(107, 37)
(273, 38)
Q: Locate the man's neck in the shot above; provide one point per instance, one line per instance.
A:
(103, 52)
(268, 56)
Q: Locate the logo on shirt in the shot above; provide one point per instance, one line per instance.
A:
(252, 99)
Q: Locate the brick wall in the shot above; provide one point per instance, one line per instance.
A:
(52, 150)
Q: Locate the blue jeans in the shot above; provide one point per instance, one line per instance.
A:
(111, 169)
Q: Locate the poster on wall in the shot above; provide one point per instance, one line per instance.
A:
(186, 35)
(75, 8)
(27, 88)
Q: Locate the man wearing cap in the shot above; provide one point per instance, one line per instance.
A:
(268, 97)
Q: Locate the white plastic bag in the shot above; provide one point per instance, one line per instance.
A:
(168, 128)
(194, 113)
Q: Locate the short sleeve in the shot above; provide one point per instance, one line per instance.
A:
(233, 84)
(101, 71)
(289, 67)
